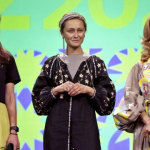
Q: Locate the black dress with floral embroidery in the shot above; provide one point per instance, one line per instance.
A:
(71, 121)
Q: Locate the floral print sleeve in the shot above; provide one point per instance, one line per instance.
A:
(132, 105)
(42, 96)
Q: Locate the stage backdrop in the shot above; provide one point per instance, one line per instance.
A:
(29, 30)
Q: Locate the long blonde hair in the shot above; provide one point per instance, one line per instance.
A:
(146, 41)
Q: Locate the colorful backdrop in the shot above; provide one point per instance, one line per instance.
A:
(29, 30)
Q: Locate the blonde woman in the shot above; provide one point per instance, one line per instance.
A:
(133, 112)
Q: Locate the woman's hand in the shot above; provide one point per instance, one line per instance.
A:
(146, 120)
(78, 88)
(62, 88)
(146, 130)
(14, 140)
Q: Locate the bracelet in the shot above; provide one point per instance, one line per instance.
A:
(14, 133)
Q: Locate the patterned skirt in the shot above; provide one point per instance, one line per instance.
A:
(4, 126)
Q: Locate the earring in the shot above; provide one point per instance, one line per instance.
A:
(63, 43)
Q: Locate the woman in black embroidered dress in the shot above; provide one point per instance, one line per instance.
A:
(69, 89)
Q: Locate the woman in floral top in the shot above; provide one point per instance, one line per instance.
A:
(70, 88)
(133, 112)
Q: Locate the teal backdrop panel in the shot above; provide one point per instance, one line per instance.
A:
(29, 30)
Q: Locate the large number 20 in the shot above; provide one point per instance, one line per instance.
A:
(97, 12)
(96, 9)
(10, 22)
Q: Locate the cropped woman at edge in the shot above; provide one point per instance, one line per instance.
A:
(9, 76)
(133, 112)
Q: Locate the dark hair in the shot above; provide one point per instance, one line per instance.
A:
(146, 41)
(70, 18)
(4, 55)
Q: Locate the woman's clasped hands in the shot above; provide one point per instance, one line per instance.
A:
(73, 89)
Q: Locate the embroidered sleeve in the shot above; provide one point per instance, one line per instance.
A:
(105, 93)
(42, 95)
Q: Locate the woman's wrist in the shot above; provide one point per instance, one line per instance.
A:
(55, 91)
(147, 122)
(13, 132)
(89, 91)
